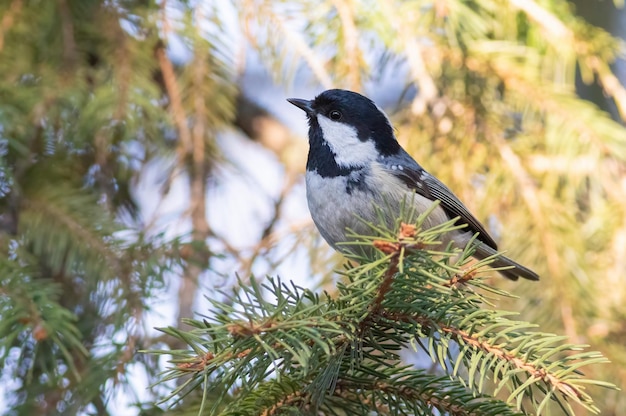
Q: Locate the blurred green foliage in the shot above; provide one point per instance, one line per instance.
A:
(89, 97)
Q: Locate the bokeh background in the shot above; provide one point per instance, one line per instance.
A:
(148, 158)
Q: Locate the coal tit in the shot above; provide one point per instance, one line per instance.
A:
(355, 163)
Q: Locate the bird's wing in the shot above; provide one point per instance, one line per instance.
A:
(415, 177)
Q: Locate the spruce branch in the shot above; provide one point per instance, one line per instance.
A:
(347, 13)
(536, 361)
(31, 311)
(317, 353)
(553, 26)
(415, 55)
(277, 26)
(583, 39)
(8, 19)
(174, 95)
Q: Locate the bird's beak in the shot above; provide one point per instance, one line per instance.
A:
(304, 105)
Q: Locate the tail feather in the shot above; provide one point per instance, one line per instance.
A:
(484, 251)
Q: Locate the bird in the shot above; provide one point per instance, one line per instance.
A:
(355, 164)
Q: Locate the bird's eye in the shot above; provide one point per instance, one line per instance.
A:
(334, 115)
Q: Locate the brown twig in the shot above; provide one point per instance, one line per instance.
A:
(532, 197)
(392, 269)
(422, 395)
(609, 82)
(175, 101)
(542, 97)
(415, 54)
(191, 156)
(405, 235)
(67, 31)
(559, 34)
(555, 29)
(467, 338)
(458, 280)
(289, 400)
(8, 19)
(268, 237)
(198, 364)
(264, 14)
(345, 9)
(240, 330)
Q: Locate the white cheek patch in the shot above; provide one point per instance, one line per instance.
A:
(344, 142)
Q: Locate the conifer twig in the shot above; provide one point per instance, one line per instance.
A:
(531, 369)
(556, 30)
(351, 41)
(344, 349)
(407, 231)
(8, 19)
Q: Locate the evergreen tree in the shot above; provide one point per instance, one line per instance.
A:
(92, 97)
(308, 354)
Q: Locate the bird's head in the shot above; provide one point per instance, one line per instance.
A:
(347, 127)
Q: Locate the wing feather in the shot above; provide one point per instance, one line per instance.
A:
(425, 184)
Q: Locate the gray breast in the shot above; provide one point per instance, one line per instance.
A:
(342, 202)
